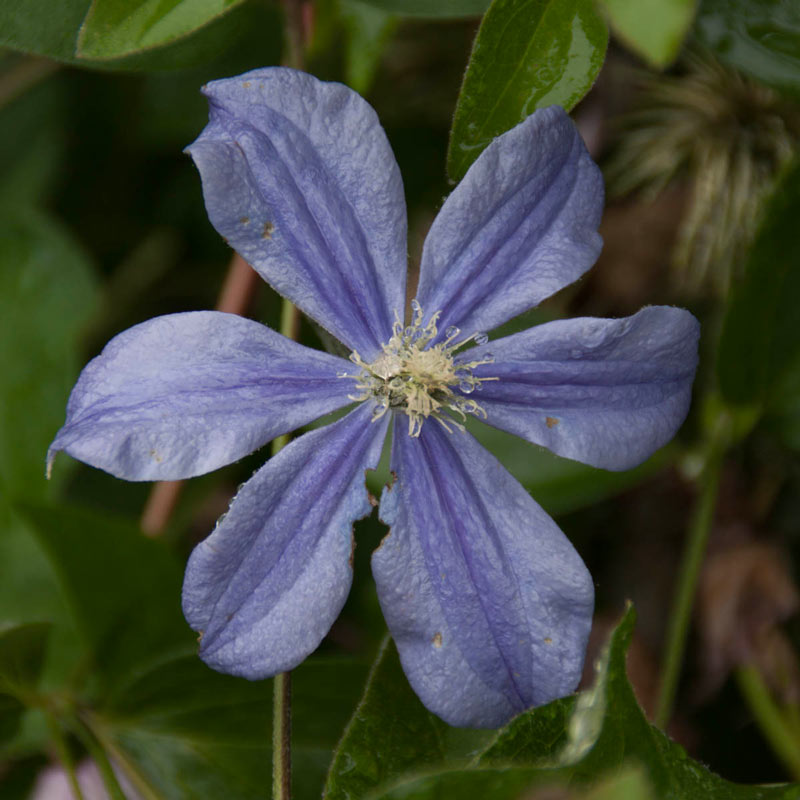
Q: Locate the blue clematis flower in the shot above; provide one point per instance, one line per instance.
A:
(489, 604)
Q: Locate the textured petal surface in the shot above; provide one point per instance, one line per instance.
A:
(607, 392)
(266, 585)
(184, 394)
(521, 225)
(488, 602)
(300, 179)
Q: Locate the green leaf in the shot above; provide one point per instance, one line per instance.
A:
(579, 742)
(390, 732)
(630, 784)
(440, 9)
(760, 336)
(531, 739)
(22, 650)
(528, 54)
(42, 26)
(183, 730)
(368, 30)
(782, 415)
(50, 29)
(116, 28)
(47, 295)
(123, 589)
(32, 141)
(759, 37)
(654, 29)
(28, 590)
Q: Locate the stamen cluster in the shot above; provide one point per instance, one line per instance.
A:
(421, 379)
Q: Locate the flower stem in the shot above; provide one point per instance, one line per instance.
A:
(694, 552)
(295, 34)
(282, 684)
(282, 737)
(132, 773)
(98, 754)
(290, 327)
(64, 754)
(769, 718)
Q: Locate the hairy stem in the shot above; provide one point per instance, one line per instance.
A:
(282, 737)
(294, 56)
(282, 685)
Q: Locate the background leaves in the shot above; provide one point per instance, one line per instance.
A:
(575, 741)
(759, 37)
(152, 36)
(116, 28)
(654, 29)
(760, 337)
(47, 296)
(528, 54)
(442, 9)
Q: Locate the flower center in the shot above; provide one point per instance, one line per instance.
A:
(419, 379)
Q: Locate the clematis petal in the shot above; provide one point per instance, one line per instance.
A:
(184, 394)
(607, 392)
(266, 585)
(300, 179)
(521, 225)
(488, 602)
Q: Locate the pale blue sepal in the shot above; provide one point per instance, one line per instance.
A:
(299, 177)
(184, 394)
(265, 587)
(606, 392)
(521, 225)
(488, 602)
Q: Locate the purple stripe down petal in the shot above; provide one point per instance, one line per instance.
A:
(267, 584)
(488, 602)
(299, 177)
(521, 225)
(184, 394)
(606, 392)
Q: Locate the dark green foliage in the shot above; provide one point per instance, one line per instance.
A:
(759, 37)
(22, 650)
(389, 734)
(528, 54)
(47, 295)
(393, 748)
(761, 337)
(441, 9)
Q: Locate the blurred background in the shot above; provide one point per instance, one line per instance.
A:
(103, 226)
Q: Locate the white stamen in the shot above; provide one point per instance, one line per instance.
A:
(419, 379)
